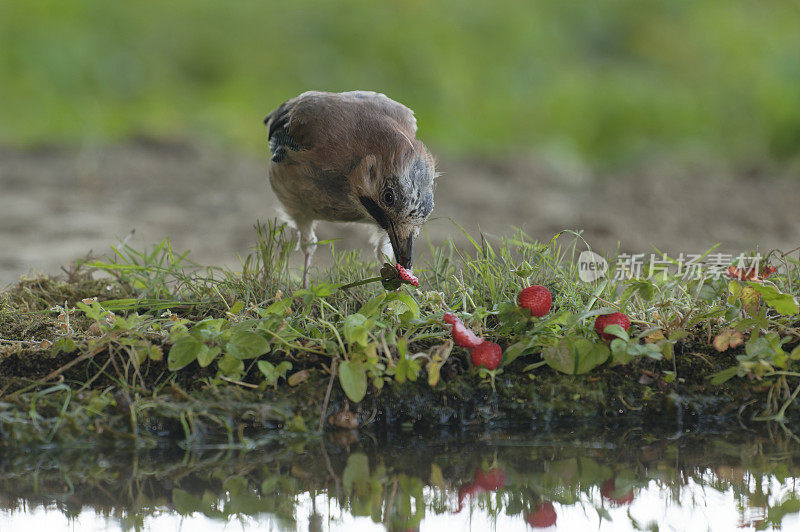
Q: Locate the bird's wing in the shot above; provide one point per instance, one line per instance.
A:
(336, 126)
(380, 104)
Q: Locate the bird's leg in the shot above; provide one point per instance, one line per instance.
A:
(308, 242)
(306, 266)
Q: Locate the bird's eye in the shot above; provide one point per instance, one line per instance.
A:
(388, 196)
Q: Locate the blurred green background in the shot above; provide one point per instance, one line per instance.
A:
(612, 82)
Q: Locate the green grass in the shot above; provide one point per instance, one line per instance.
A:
(148, 327)
(609, 83)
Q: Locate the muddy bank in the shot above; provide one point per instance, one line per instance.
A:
(57, 204)
(194, 413)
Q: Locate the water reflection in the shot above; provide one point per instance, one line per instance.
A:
(612, 478)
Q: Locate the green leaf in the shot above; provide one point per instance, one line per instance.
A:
(677, 334)
(721, 377)
(279, 308)
(356, 329)
(795, 354)
(707, 292)
(183, 352)
(95, 312)
(405, 308)
(617, 331)
(519, 349)
(98, 403)
(230, 366)
(247, 344)
(575, 357)
(209, 328)
(407, 369)
(619, 352)
(207, 355)
(372, 306)
(65, 344)
(644, 287)
(783, 303)
(271, 372)
(524, 270)
(353, 379)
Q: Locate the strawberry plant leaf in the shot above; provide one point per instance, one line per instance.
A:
(65, 344)
(406, 307)
(575, 357)
(280, 307)
(183, 352)
(373, 305)
(723, 376)
(407, 369)
(246, 344)
(519, 349)
(271, 372)
(728, 339)
(617, 331)
(207, 355)
(619, 352)
(230, 366)
(353, 379)
(783, 303)
(356, 329)
(795, 354)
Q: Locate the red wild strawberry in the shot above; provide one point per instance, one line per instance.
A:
(543, 516)
(450, 318)
(487, 354)
(462, 336)
(406, 276)
(617, 318)
(537, 299)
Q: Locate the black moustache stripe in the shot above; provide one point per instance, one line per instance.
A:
(375, 211)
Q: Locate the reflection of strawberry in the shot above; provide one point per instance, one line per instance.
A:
(462, 336)
(492, 480)
(487, 354)
(537, 299)
(469, 489)
(609, 490)
(617, 318)
(543, 516)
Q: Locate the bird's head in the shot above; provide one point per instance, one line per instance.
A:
(397, 192)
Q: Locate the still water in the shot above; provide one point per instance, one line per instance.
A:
(587, 478)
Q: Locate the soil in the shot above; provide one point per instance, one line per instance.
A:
(58, 204)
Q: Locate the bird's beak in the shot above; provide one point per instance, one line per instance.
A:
(402, 245)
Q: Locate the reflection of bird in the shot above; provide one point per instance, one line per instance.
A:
(351, 157)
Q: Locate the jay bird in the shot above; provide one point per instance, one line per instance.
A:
(351, 157)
